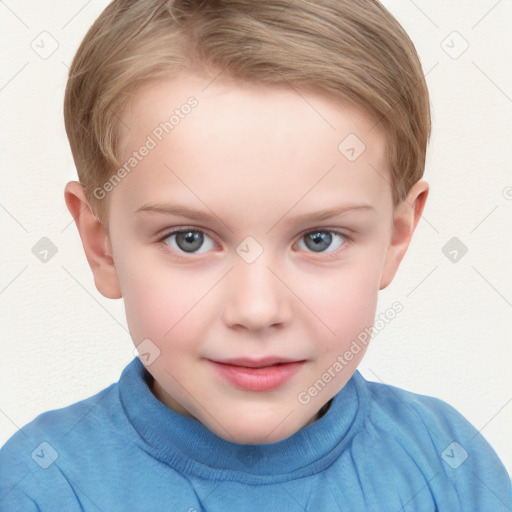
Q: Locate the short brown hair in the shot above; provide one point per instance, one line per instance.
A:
(349, 50)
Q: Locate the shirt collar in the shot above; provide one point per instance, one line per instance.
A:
(187, 445)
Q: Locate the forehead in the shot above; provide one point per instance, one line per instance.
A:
(240, 143)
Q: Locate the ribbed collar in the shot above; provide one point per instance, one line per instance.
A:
(188, 446)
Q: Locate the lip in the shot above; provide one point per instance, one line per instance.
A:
(257, 374)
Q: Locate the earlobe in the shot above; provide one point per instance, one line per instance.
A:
(95, 241)
(406, 217)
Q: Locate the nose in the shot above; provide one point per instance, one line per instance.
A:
(256, 298)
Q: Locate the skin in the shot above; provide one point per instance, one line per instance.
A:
(253, 158)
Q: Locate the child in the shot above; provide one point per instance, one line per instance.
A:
(285, 142)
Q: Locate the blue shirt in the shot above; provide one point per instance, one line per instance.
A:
(377, 448)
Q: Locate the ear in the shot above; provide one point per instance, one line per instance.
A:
(95, 240)
(405, 219)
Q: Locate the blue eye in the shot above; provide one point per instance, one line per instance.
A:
(194, 241)
(189, 241)
(319, 240)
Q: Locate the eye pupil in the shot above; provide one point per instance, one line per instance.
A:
(189, 241)
(320, 240)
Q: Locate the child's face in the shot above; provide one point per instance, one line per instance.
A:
(256, 165)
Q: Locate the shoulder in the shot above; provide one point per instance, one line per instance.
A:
(58, 423)
(442, 442)
(426, 421)
(29, 460)
(393, 404)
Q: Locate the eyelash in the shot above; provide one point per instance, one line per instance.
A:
(329, 255)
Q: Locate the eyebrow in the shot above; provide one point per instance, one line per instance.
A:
(200, 215)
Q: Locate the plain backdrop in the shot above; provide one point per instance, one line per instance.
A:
(61, 341)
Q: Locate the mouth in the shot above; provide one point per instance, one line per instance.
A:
(257, 363)
(257, 374)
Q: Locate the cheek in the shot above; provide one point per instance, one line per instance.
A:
(162, 303)
(343, 303)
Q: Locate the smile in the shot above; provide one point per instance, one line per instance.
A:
(257, 376)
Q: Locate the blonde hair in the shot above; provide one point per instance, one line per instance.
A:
(349, 50)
